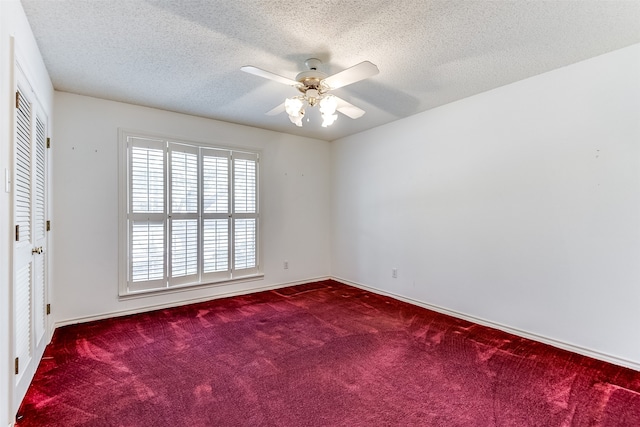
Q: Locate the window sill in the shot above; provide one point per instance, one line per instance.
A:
(188, 287)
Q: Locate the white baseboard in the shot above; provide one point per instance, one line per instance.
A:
(515, 331)
(184, 302)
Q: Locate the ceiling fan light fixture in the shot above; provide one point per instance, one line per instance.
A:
(328, 119)
(297, 120)
(328, 106)
(293, 106)
(295, 109)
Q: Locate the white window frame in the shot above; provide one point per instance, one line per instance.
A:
(126, 215)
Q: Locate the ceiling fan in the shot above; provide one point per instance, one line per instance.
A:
(315, 87)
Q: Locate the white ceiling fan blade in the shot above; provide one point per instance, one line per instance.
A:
(348, 109)
(353, 74)
(279, 109)
(269, 75)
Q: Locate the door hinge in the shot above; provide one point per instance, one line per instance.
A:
(18, 233)
(17, 365)
(17, 99)
(48, 308)
(48, 142)
(48, 225)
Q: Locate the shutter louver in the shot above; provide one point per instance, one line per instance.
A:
(147, 251)
(244, 186)
(23, 170)
(215, 245)
(245, 243)
(39, 298)
(184, 182)
(184, 247)
(23, 313)
(215, 177)
(147, 177)
(39, 208)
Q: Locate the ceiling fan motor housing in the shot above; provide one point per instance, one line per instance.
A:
(312, 79)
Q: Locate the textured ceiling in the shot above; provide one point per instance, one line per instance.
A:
(185, 56)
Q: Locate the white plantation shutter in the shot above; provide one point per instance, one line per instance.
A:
(192, 214)
(147, 214)
(245, 212)
(183, 217)
(216, 223)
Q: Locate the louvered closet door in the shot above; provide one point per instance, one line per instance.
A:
(23, 268)
(29, 218)
(39, 197)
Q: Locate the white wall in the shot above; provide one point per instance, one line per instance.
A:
(518, 206)
(294, 202)
(13, 23)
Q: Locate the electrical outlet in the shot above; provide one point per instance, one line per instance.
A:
(394, 273)
(286, 265)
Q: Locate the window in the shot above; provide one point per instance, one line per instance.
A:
(189, 214)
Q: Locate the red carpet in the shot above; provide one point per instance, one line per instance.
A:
(323, 354)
